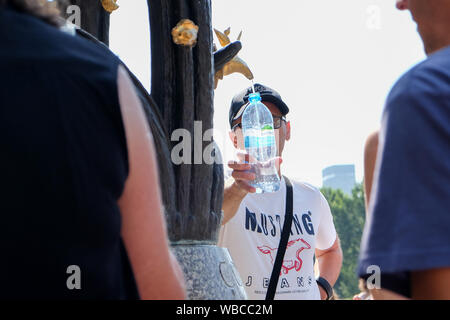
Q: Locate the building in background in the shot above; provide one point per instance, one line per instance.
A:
(339, 177)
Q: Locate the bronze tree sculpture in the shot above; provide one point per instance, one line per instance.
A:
(182, 95)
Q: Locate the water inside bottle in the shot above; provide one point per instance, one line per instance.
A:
(260, 144)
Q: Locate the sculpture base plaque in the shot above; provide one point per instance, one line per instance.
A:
(209, 271)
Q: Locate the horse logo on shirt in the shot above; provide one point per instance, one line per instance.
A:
(298, 245)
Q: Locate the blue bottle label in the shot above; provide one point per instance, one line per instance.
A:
(259, 142)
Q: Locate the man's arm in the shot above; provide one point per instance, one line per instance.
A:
(236, 188)
(328, 264)
(370, 157)
(431, 284)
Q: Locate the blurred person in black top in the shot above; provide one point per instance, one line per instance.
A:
(79, 181)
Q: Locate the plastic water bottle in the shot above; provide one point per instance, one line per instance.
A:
(259, 140)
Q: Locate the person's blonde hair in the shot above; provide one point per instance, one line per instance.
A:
(42, 9)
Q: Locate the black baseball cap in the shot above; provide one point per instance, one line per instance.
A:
(240, 101)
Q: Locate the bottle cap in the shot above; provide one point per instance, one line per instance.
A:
(254, 97)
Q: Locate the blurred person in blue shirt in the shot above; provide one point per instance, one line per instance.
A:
(407, 233)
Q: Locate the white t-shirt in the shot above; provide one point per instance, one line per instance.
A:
(252, 237)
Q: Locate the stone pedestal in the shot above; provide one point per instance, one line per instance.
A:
(209, 271)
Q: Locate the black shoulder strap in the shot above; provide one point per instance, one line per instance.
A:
(283, 242)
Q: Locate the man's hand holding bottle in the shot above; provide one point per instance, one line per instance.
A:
(244, 170)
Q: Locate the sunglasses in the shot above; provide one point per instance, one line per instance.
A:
(277, 122)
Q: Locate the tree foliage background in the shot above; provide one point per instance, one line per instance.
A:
(349, 216)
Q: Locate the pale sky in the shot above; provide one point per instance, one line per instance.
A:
(333, 63)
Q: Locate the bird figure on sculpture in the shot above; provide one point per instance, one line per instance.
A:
(234, 65)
